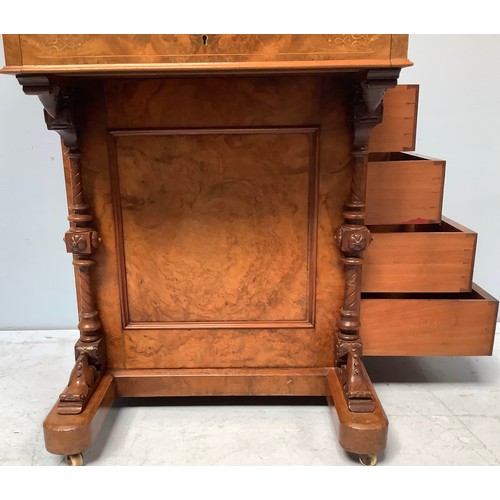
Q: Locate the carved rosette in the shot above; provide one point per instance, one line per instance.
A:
(353, 237)
(81, 240)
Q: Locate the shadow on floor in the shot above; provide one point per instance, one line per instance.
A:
(446, 370)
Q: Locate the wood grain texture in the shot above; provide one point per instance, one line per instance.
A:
(428, 260)
(221, 382)
(212, 102)
(263, 102)
(398, 131)
(227, 219)
(71, 434)
(437, 325)
(404, 189)
(399, 49)
(138, 53)
(12, 50)
(360, 433)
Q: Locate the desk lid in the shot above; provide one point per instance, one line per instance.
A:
(138, 54)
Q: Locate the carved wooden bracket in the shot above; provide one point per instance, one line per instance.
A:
(58, 104)
(353, 237)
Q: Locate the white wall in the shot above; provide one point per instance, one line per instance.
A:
(459, 121)
(36, 276)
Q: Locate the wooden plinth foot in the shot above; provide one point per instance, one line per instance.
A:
(359, 433)
(72, 434)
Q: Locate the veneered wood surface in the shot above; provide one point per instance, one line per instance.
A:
(399, 49)
(360, 433)
(398, 130)
(139, 53)
(227, 220)
(265, 102)
(422, 261)
(221, 382)
(72, 434)
(12, 50)
(454, 325)
(404, 189)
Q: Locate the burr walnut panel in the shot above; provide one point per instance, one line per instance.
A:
(302, 111)
(218, 227)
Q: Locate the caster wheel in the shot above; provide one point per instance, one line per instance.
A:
(75, 460)
(369, 460)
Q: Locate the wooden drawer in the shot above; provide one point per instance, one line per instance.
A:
(428, 325)
(430, 258)
(404, 188)
(398, 130)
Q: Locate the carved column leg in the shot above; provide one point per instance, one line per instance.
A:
(75, 420)
(362, 421)
(82, 240)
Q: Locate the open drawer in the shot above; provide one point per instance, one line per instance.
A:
(404, 188)
(398, 129)
(421, 258)
(428, 325)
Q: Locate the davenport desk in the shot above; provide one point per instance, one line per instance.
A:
(225, 193)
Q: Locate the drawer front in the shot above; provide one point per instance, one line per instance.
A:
(397, 132)
(454, 325)
(404, 189)
(439, 261)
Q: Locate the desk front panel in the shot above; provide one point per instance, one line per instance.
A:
(217, 200)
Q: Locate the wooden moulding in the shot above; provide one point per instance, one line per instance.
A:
(221, 382)
(430, 258)
(404, 188)
(429, 325)
(398, 130)
(360, 433)
(79, 53)
(72, 434)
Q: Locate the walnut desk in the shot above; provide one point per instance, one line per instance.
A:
(224, 194)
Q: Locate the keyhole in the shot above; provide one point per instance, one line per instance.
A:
(204, 40)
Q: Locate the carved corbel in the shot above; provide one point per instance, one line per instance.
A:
(81, 240)
(353, 237)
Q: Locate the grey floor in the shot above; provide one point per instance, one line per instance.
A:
(442, 411)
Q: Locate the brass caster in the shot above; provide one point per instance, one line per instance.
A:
(369, 460)
(76, 459)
